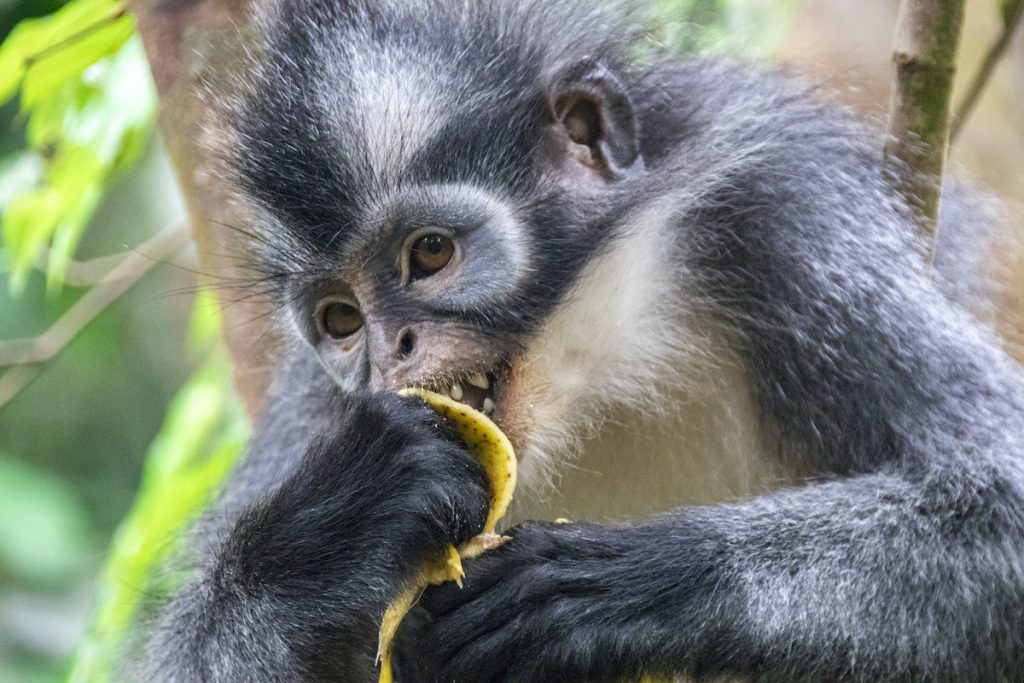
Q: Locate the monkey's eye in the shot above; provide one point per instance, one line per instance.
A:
(340, 320)
(430, 254)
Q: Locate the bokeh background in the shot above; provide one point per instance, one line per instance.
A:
(73, 442)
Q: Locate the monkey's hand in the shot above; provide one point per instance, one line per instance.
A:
(562, 602)
(298, 587)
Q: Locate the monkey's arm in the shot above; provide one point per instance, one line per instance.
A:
(874, 578)
(904, 563)
(293, 577)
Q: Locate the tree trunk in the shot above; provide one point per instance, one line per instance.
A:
(927, 39)
(187, 41)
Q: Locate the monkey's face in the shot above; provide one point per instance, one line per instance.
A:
(422, 296)
(440, 215)
(442, 286)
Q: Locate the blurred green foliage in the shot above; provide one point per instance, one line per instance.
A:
(79, 176)
(200, 440)
(89, 106)
(47, 539)
(71, 444)
(85, 424)
(740, 28)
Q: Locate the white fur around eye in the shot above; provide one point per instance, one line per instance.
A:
(492, 254)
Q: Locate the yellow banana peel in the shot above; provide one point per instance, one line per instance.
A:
(493, 451)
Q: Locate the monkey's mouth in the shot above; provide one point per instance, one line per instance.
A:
(492, 392)
(478, 390)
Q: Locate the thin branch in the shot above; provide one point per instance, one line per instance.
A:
(927, 40)
(27, 354)
(15, 380)
(89, 272)
(1011, 20)
(84, 273)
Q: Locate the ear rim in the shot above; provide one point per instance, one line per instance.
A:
(617, 153)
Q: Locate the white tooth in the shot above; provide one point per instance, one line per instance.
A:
(456, 392)
(488, 406)
(479, 380)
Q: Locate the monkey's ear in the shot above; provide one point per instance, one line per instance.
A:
(592, 107)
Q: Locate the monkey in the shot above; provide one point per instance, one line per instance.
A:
(687, 292)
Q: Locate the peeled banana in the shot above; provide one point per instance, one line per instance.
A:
(494, 453)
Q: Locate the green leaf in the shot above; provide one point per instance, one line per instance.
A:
(202, 437)
(78, 176)
(85, 131)
(12, 67)
(68, 233)
(58, 210)
(43, 529)
(28, 222)
(90, 106)
(32, 39)
(72, 59)
(73, 18)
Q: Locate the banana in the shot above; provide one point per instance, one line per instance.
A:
(493, 451)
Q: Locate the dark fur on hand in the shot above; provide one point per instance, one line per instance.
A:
(301, 581)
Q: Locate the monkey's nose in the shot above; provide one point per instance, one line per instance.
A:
(395, 360)
(406, 343)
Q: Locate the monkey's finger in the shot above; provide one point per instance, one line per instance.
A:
(469, 652)
(486, 659)
(501, 567)
(537, 643)
(446, 598)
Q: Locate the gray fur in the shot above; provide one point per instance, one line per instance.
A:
(758, 229)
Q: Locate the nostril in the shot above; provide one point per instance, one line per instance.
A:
(406, 344)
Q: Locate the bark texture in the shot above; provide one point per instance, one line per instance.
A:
(927, 41)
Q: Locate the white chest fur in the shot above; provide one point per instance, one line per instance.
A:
(706, 449)
(639, 400)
